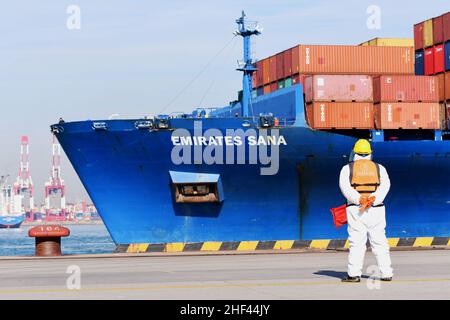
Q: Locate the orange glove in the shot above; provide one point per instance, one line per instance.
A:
(365, 202)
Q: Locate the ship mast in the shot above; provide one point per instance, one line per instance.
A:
(246, 30)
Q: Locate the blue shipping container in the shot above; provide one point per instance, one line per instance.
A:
(419, 65)
(447, 56)
(260, 91)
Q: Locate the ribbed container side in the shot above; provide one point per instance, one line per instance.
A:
(418, 36)
(280, 65)
(447, 55)
(447, 114)
(439, 58)
(438, 30)
(339, 88)
(260, 91)
(447, 86)
(407, 88)
(341, 115)
(273, 86)
(419, 64)
(295, 53)
(446, 26)
(332, 59)
(389, 42)
(440, 78)
(273, 68)
(428, 33)
(299, 78)
(407, 115)
(266, 73)
(254, 78)
(288, 82)
(429, 61)
(287, 56)
(280, 84)
(259, 74)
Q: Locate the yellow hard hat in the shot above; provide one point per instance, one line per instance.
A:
(362, 146)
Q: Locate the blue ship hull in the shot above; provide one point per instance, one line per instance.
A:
(126, 173)
(11, 222)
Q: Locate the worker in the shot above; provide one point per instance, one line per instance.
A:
(365, 184)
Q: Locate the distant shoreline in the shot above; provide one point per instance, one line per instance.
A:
(43, 222)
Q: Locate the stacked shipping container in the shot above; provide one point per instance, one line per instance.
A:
(432, 45)
(406, 102)
(371, 85)
(339, 101)
(293, 65)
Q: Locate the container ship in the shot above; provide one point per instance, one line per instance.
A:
(10, 211)
(266, 166)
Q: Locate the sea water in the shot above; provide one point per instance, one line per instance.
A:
(83, 239)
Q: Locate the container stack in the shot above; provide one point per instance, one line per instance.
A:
(432, 54)
(291, 66)
(389, 42)
(339, 101)
(407, 102)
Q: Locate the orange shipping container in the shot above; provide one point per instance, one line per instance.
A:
(266, 75)
(273, 68)
(395, 88)
(407, 115)
(295, 60)
(441, 86)
(259, 74)
(287, 63)
(266, 89)
(332, 59)
(447, 85)
(343, 88)
(340, 115)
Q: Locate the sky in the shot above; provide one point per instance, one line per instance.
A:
(132, 58)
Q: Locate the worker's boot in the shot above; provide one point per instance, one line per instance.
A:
(351, 279)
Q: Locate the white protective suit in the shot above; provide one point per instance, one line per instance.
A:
(371, 223)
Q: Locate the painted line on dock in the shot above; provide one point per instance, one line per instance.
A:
(209, 286)
(238, 246)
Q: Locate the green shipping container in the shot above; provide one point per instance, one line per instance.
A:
(254, 93)
(288, 82)
(281, 84)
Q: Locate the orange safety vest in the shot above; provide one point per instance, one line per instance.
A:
(364, 176)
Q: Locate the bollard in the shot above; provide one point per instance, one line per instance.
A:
(48, 239)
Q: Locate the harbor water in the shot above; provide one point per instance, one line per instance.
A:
(83, 239)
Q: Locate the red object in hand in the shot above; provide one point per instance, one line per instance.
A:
(339, 215)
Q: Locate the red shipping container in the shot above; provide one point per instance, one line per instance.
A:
(273, 68)
(259, 74)
(407, 115)
(418, 36)
(439, 58)
(287, 63)
(273, 87)
(441, 86)
(280, 65)
(334, 59)
(438, 30)
(447, 85)
(266, 73)
(446, 26)
(429, 61)
(340, 88)
(447, 110)
(266, 89)
(405, 88)
(295, 60)
(341, 115)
